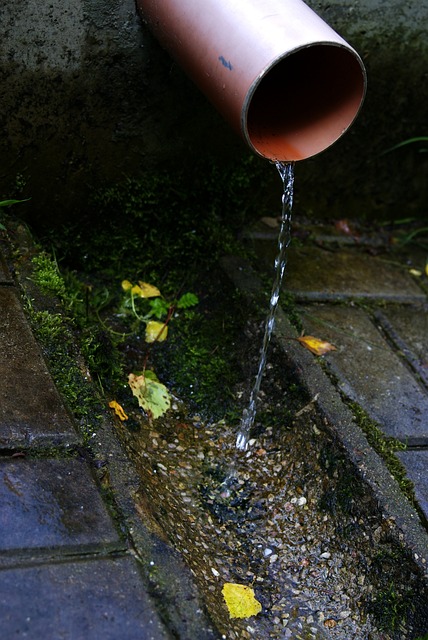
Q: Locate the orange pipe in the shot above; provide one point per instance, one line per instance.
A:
(275, 70)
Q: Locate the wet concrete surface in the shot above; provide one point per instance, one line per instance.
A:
(359, 293)
(52, 503)
(87, 599)
(369, 372)
(65, 569)
(326, 274)
(416, 463)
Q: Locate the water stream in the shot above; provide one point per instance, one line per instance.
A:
(286, 171)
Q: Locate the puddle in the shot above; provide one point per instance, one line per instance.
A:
(286, 517)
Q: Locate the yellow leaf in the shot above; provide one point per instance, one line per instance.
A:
(415, 272)
(240, 600)
(118, 410)
(148, 290)
(126, 285)
(156, 331)
(152, 395)
(315, 345)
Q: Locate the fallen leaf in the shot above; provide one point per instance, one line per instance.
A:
(147, 290)
(415, 272)
(344, 227)
(240, 600)
(273, 223)
(315, 345)
(152, 395)
(330, 623)
(118, 410)
(156, 331)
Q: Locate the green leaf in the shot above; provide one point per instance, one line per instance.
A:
(404, 143)
(152, 396)
(159, 307)
(8, 203)
(187, 300)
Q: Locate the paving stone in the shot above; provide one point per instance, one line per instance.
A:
(316, 274)
(87, 600)
(31, 411)
(407, 327)
(416, 464)
(51, 503)
(369, 372)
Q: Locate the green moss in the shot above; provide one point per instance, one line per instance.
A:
(346, 490)
(203, 355)
(46, 275)
(392, 609)
(386, 448)
(58, 346)
(162, 223)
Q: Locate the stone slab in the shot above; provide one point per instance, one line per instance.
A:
(416, 464)
(51, 503)
(369, 372)
(407, 327)
(318, 274)
(87, 600)
(31, 411)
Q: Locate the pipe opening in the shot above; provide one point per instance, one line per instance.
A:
(304, 103)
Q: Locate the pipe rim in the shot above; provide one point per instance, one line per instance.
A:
(298, 146)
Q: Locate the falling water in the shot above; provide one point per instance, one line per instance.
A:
(286, 171)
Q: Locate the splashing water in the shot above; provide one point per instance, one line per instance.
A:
(286, 171)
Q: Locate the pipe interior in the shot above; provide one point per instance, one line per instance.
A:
(305, 102)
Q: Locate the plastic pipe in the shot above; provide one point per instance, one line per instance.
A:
(275, 70)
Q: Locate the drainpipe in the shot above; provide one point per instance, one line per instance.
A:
(288, 83)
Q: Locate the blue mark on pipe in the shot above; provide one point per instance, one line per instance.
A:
(225, 63)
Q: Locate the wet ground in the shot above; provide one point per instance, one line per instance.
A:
(309, 517)
(289, 517)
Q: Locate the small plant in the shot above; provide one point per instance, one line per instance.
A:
(146, 305)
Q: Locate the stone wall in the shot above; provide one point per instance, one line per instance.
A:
(88, 97)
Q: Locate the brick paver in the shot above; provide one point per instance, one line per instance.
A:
(52, 503)
(369, 372)
(81, 600)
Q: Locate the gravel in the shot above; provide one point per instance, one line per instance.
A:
(287, 517)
